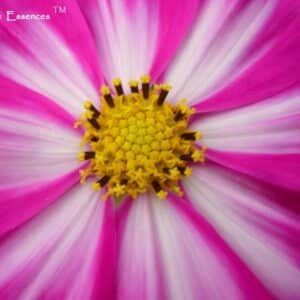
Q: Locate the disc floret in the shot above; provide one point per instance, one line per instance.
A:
(138, 141)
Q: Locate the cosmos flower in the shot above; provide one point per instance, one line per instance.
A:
(225, 161)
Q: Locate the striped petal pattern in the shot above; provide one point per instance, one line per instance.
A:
(234, 234)
(43, 55)
(248, 215)
(57, 249)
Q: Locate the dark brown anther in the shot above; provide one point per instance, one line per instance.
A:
(166, 170)
(124, 181)
(134, 86)
(162, 97)
(186, 157)
(191, 136)
(119, 89)
(89, 155)
(134, 89)
(95, 111)
(104, 180)
(156, 186)
(94, 139)
(145, 89)
(109, 100)
(181, 170)
(179, 116)
(94, 123)
(118, 86)
(145, 86)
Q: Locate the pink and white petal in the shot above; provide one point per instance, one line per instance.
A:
(139, 262)
(260, 140)
(132, 35)
(19, 204)
(171, 35)
(270, 126)
(263, 233)
(219, 37)
(273, 72)
(38, 140)
(227, 31)
(38, 152)
(126, 35)
(46, 56)
(169, 252)
(282, 170)
(56, 254)
(106, 256)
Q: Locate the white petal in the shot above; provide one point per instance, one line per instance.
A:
(54, 253)
(125, 36)
(209, 58)
(270, 126)
(249, 222)
(47, 66)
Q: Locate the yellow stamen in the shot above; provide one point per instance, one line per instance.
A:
(138, 142)
(81, 156)
(116, 81)
(145, 79)
(105, 90)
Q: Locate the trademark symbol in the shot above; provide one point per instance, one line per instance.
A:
(60, 9)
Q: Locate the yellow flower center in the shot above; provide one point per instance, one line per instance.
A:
(138, 141)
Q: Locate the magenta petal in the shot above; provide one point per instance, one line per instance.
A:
(38, 140)
(56, 254)
(138, 37)
(105, 260)
(139, 264)
(168, 251)
(214, 52)
(276, 71)
(37, 153)
(270, 126)
(247, 284)
(282, 17)
(171, 34)
(19, 204)
(259, 222)
(279, 169)
(15, 98)
(125, 33)
(47, 56)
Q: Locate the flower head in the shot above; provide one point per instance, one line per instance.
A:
(226, 159)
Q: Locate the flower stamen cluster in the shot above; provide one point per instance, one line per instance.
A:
(138, 141)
